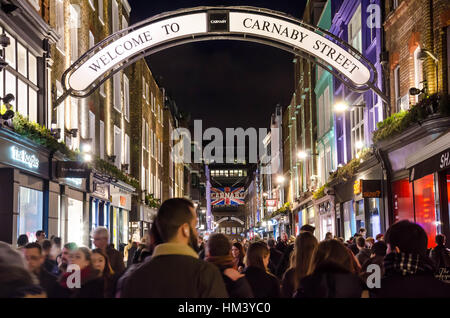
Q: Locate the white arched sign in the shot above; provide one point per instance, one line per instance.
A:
(211, 23)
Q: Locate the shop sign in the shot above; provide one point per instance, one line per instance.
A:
(271, 203)
(371, 188)
(24, 157)
(227, 196)
(121, 198)
(357, 187)
(101, 190)
(434, 164)
(72, 169)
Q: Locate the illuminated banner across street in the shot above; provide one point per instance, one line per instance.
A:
(227, 196)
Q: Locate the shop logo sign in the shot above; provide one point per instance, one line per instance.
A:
(22, 156)
(445, 160)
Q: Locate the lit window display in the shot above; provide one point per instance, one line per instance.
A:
(75, 221)
(424, 199)
(30, 212)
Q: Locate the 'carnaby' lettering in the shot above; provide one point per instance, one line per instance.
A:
(275, 28)
(120, 49)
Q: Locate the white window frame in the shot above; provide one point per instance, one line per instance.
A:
(114, 16)
(397, 96)
(92, 5)
(74, 20)
(101, 13)
(91, 40)
(126, 94)
(102, 139)
(59, 25)
(117, 95)
(357, 127)
(355, 30)
(418, 72)
(92, 130)
(118, 152)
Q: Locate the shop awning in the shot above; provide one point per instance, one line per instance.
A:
(433, 158)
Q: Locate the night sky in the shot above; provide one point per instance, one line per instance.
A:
(224, 83)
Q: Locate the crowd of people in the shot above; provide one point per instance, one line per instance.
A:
(174, 262)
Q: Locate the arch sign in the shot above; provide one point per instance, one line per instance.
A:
(212, 23)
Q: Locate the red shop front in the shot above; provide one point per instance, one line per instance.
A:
(424, 198)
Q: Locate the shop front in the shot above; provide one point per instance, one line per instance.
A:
(24, 175)
(325, 209)
(423, 196)
(120, 213)
(99, 203)
(141, 223)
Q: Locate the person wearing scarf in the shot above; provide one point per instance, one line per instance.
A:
(409, 272)
(91, 284)
(218, 252)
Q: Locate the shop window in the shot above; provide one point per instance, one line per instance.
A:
(30, 212)
(424, 199)
(75, 222)
(354, 30)
(403, 200)
(374, 217)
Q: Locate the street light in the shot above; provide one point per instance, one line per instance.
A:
(302, 155)
(359, 145)
(342, 107)
(280, 179)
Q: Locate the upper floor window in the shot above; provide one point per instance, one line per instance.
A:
(59, 23)
(354, 30)
(115, 16)
(126, 93)
(397, 88)
(101, 14)
(357, 128)
(418, 71)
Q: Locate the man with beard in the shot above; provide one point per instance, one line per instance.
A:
(174, 269)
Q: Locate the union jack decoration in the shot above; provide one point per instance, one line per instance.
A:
(227, 196)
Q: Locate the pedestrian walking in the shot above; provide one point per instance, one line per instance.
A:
(91, 284)
(305, 249)
(63, 259)
(101, 240)
(174, 269)
(332, 274)
(275, 257)
(22, 240)
(263, 283)
(238, 253)
(363, 253)
(35, 258)
(100, 262)
(440, 254)
(409, 272)
(218, 252)
(40, 236)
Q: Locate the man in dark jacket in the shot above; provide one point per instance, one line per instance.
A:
(275, 257)
(174, 269)
(409, 272)
(440, 254)
(101, 240)
(364, 253)
(35, 262)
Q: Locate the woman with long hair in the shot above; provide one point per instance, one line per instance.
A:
(332, 274)
(100, 262)
(218, 252)
(92, 286)
(262, 282)
(301, 261)
(237, 250)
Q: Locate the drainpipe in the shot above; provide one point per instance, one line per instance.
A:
(386, 188)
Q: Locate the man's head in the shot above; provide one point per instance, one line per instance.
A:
(271, 243)
(379, 237)
(360, 242)
(100, 237)
(328, 236)
(66, 251)
(440, 239)
(176, 222)
(378, 249)
(40, 236)
(362, 231)
(22, 240)
(34, 257)
(218, 245)
(307, 228)
(46, 247)
(406, 237)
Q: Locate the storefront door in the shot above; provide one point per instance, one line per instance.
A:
(75, 221)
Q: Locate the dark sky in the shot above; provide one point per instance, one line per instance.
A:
(224, 83)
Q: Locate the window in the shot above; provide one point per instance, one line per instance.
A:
(74, 19)
(354, 30)
(117, 145)
(126, 92)
(32, 68)
(100, 11)
(10, 51)
(319, 72)
(328, 162)
(322, 168)
(92, 130)
(102, 90)
(91, 40)
(152, 102)
(102, 139)
(424, 202)
(127, 152)
(31, 203)
(418, 72)
(22, 63)
(357, 127)
(117, 92)
(394, 4)
(115, 16)
(321, 116)
(22, 98)
(143, 88)
(124, 22)
(327, 109)
(398, 98)
(59, 9)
